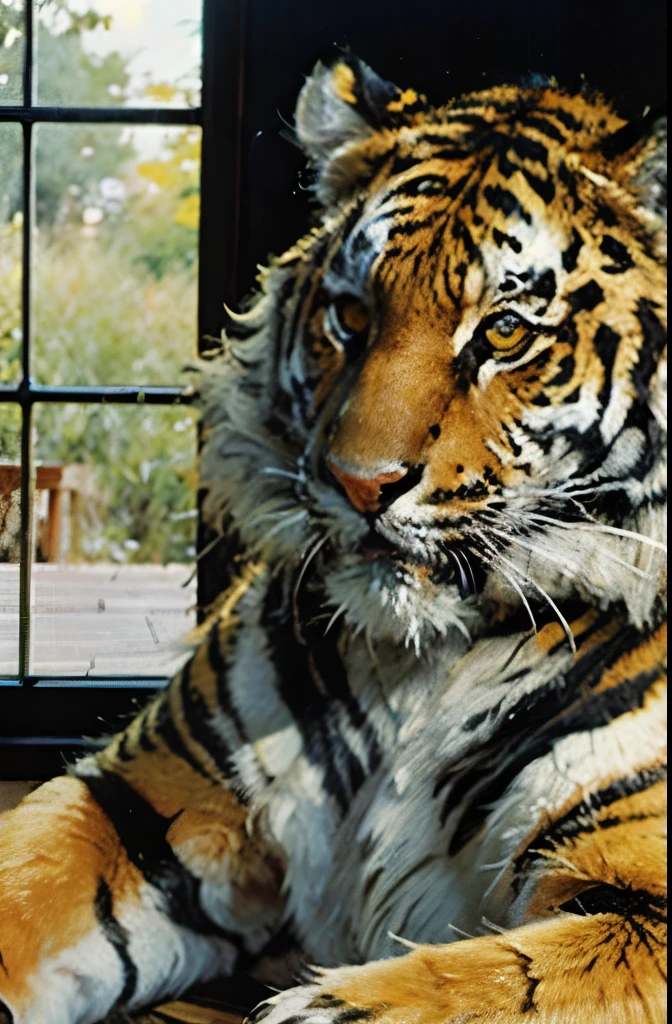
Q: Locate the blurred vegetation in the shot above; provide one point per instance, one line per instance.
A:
(114, 290)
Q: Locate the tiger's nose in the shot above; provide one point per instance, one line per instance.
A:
(364, 494)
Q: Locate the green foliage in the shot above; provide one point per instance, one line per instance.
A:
(10, 299)
(114, 296)
(138, 504)
(100, 319)
(11, 50)
(10, 427)
(67, 77)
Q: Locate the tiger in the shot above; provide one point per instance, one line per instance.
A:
(416, 760)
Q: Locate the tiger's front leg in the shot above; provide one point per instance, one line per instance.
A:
(137, 876)
(595, 954)
(572, 971)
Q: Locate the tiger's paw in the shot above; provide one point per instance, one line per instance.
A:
(308, 1004)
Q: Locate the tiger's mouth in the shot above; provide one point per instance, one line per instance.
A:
(452, 564)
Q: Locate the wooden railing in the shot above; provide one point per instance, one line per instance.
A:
(58, 480)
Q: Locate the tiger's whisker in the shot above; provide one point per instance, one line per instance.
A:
(339, 611)
(542, 553)
(284, 523)
(505, 574)
(602, 528)
(274, 471)
(308, 559)
(528, 579)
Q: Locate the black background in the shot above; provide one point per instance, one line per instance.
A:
(441, 48)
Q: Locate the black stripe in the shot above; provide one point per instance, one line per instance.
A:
(507, 107)
(570, 256)
(587, 297)
(582, 817)
(282, 301)
(531, 726)
(547, 698)
(653, 345)
(300, 298)
(565, 371)
(450, 155)
(329, 666)
(590, 713)
(629, 135)
(313, 685)
(444, 140)
(410, 227)
(166, 729)
(461, 117)
(197, 717)
(544, 189)
(145, 742)
(631, 904)
(544, 285)
(565, 118)
(502, 199)
(526, 148)
(570, 182)
(142, 832)
(117, 936)
(616, 251)
(543, 125)
(219, 666)
(500, 238)
(606, 342)
(418, 186)
(398, 211)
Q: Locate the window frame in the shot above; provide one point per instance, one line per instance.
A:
(44, 718)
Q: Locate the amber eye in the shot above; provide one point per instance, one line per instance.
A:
(506, 332)
(346, 319)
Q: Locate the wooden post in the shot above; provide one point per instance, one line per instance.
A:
(54, 527)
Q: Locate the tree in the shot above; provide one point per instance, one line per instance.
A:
(113, 306)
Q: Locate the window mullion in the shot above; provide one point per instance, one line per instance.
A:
(26, 552)
(102, 115)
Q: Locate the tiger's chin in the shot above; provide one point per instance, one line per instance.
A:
(390, 598)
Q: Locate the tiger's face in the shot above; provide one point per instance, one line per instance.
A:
(468, 350)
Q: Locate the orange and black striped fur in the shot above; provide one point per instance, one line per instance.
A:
(423, 733)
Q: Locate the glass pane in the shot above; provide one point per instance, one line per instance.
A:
(11, 52)
(11, 221)
(109, 53)
(115, 525)
(116, 253)
(10, 534)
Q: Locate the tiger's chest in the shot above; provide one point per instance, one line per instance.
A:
(402, 820)
(400, 788)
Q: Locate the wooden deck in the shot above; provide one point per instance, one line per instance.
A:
(100, 619)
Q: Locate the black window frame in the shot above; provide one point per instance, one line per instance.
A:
(44, 719)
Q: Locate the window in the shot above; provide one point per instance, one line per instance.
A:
(110, 281)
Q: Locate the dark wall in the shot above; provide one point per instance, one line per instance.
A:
(440, 47)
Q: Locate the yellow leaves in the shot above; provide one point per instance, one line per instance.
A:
(179, 174)
(13, 278)
(161, 92)
(164, 173)
(188, 211)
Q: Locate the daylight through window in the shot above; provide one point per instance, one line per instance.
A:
(100, 150)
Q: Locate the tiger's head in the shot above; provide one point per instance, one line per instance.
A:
(451, 391)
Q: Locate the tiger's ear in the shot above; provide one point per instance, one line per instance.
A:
(638, 153)
(343, 105)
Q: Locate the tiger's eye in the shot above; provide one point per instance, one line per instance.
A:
(354, 316)
(347, 318)
(507, 332)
